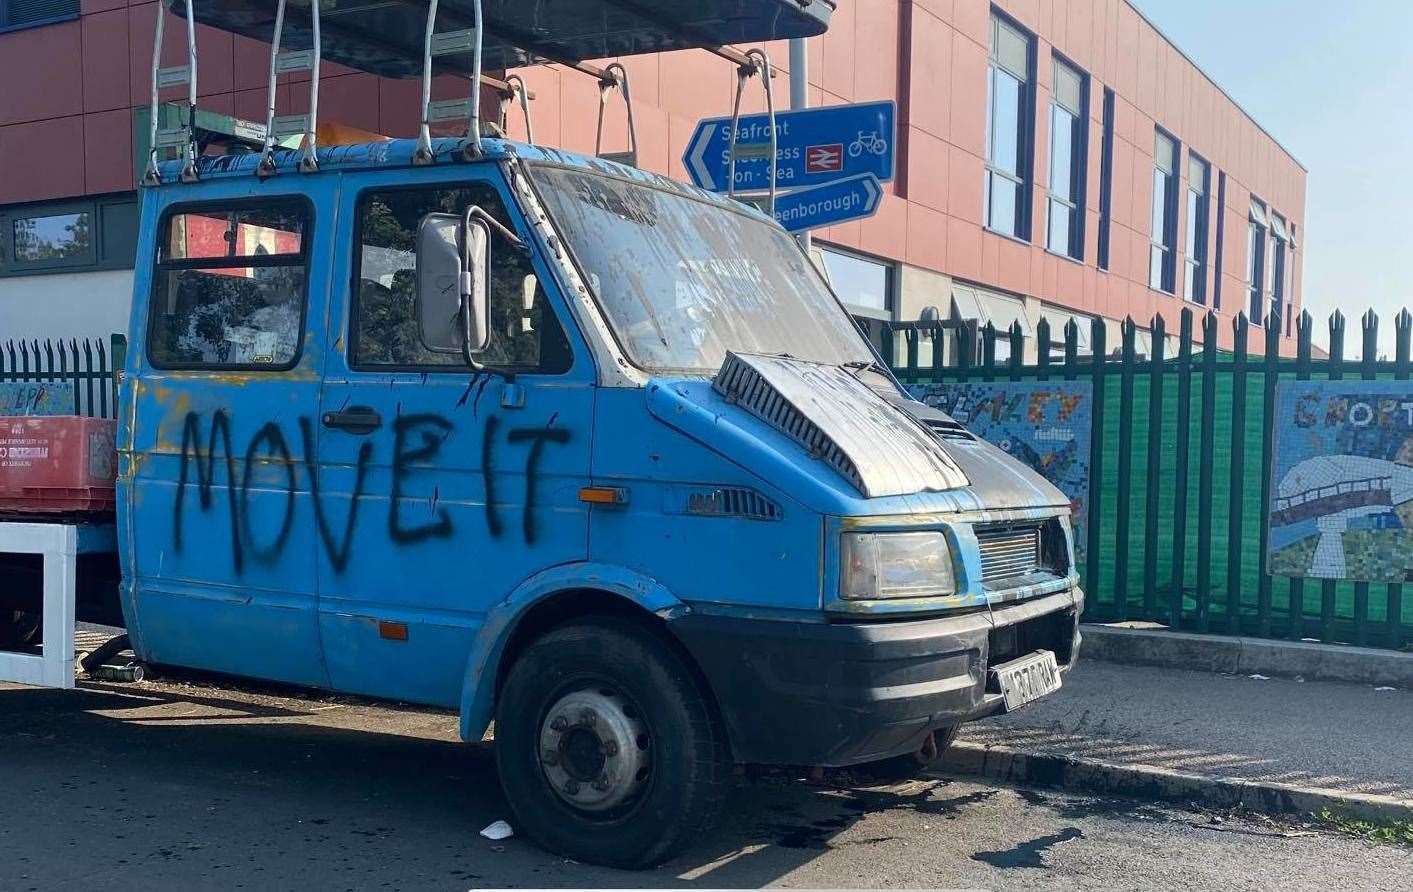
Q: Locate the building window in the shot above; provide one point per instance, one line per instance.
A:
(1256, 261)
(1221, 239)
(1277, 277)
(68, 236)
(1008, 130)
(1164, 229)
(16, 14)
(1106, 178)
(1195, 264)
(865, 287)
(52, 237)
(1069, 142)
(863, 284)
(1290, 290)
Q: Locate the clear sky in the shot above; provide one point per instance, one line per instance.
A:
(1333, 81)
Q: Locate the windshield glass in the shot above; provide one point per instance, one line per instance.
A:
(683, 282)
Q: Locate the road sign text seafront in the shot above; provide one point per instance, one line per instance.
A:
(847, 199)
(814, 146)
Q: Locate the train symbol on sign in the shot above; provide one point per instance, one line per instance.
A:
(824, 159)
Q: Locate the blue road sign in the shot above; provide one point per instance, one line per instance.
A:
(813, 146)
(847, 199)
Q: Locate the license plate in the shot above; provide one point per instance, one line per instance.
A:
(1028, 678)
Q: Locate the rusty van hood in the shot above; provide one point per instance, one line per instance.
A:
(829, 414)
(844, 447)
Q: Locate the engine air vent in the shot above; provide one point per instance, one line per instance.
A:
(950, 430)
(731, 501)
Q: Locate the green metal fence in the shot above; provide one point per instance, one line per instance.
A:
(87, 364)
(1180, 468)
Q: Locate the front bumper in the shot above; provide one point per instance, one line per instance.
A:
(835, 694)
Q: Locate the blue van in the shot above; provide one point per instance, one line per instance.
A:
(651, 504)
(576, 450)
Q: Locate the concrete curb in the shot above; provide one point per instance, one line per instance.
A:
(1152, 782)
(1247, 656)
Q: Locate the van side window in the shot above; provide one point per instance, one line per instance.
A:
(525, 333)
(229, 287)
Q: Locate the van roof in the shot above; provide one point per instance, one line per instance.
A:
(398, 153)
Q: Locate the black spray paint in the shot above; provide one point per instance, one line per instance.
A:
(417, 441)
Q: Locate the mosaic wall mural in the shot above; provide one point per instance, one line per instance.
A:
(1342, 481)
(1045, 424)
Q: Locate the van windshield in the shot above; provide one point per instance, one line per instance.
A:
(683, 281)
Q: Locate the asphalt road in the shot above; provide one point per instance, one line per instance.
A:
(191, 786)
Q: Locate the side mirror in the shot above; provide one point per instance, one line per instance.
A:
(453, 274)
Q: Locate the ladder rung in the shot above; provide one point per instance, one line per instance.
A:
(449, 110)
(448, 42)
(752, 151)
(290, 125)
(172, 137)
(176, 76)
(294, 60)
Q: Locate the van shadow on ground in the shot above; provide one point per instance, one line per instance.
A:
(206, 787)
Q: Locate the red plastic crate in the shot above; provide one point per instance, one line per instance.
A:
(56, 464)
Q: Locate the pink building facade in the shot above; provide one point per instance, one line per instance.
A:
(1057, 158)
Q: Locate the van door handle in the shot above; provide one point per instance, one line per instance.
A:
(354, 420)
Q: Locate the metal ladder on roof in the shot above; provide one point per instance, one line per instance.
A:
(283, 61)
(182, 137)
(436, 44)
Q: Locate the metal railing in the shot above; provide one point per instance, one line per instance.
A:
(90, 365)
(1181, 452)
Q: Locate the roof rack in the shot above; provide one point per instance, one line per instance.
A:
(459, 37)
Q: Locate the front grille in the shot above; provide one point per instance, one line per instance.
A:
(1008, 552)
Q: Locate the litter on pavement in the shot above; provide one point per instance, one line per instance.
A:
(497, 830)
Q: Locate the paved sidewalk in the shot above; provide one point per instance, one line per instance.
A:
(1329, 736)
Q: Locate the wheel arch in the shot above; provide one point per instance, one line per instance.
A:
(550, 599)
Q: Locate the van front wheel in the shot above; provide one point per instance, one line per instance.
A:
(608, 750)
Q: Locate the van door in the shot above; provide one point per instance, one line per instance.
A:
(225, 368)
(439, 489)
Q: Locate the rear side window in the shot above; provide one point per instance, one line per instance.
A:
(229, 287)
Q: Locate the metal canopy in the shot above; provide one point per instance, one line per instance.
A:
(385, 37)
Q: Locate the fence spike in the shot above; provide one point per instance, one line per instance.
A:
(1403, 341)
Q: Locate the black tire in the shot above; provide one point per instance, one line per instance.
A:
(686, 754)
(19, 629)
(910, 765)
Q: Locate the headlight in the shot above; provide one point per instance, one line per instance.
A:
(896, 565)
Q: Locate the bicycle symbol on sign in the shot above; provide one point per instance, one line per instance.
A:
(868, 141)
